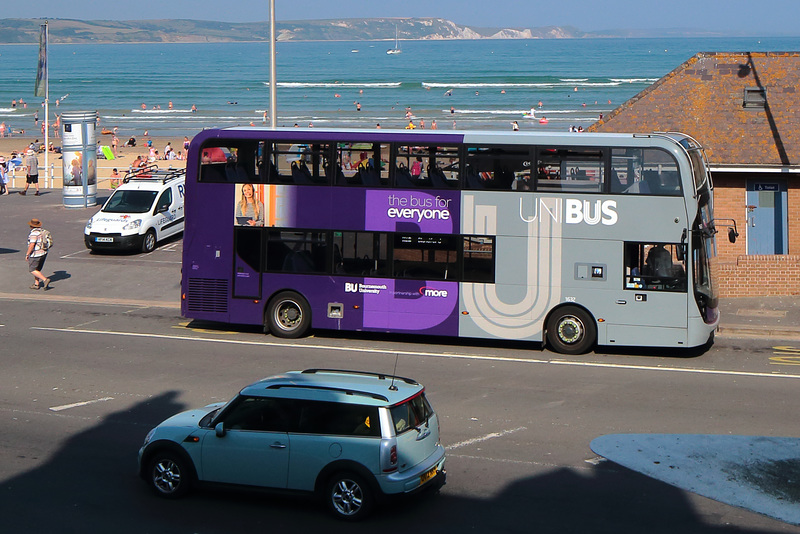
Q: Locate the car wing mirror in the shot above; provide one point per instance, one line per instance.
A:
(219, 430)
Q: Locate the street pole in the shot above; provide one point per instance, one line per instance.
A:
(48, 176)
(273, 83)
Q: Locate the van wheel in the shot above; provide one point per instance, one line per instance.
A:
(571, 330)
(288, 315)
(349, 497)
(149, 241)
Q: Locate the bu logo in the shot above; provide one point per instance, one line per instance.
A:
(350, 287)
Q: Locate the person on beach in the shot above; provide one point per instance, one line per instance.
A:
(114, 178)
(3, 177)
(433, 125)
(36, 254)
(185, 143)
(114, 144)
(32, 172)
(514, 126)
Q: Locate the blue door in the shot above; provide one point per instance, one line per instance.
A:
(767, 217)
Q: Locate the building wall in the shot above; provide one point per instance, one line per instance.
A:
(759, 276)
(740, 275)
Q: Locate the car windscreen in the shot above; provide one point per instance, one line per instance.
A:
(127, 201)
(411, 413)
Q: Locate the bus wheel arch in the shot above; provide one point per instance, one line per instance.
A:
(571, 329)
(287, 315)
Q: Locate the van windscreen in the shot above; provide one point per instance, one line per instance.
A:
(123, 201)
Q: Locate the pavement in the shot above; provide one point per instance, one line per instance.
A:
(761, 317)
(775, 318)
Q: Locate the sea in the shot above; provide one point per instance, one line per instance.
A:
(464, 85)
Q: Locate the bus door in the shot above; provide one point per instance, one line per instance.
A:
(247, 263)
(654, 295)
(766, 217)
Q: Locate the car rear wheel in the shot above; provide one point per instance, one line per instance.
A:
(149, 241)
(349, 497)
(571, 330)
(169, 475)
(288, 315)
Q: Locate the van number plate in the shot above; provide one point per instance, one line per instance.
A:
(103, 239)
(427, 476)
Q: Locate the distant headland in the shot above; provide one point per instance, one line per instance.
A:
(63, 31)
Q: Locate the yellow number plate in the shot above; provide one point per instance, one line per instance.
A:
(427, 476)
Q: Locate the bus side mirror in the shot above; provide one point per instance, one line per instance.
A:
(680, 252)
(732, 235)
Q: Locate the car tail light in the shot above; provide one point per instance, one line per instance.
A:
(388, 456)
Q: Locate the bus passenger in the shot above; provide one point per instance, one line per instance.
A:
(416, 168)
(249, 211)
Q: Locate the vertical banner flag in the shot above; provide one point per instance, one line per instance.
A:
(41, 71)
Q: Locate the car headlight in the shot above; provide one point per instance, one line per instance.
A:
(149, 436)
(133, 225)
(89, 225)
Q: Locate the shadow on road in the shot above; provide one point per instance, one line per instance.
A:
(90, 485)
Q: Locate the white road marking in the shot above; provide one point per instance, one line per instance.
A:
(452, 355)
(79, 255)
(77, 404)
(483, 438)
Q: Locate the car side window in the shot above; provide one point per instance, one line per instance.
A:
(332, 418)
(165, 201)
(260, 414)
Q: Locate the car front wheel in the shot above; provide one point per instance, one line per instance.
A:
(169, 475)
(149, 241)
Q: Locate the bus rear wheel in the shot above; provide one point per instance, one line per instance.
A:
(288, 315)
(571, 330)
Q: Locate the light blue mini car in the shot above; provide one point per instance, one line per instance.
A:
(349, 437)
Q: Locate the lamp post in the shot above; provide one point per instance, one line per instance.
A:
(273, 84)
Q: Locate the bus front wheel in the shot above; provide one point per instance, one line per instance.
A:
(288, 315)
(571, 330)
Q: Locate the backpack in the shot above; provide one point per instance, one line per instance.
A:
(46, 239)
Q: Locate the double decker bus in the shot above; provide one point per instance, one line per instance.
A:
(572, 240)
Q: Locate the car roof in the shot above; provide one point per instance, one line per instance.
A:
(335, 385)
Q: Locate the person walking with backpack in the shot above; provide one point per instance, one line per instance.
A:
(39, 242)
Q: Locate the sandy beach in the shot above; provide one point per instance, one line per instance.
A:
(122, 162)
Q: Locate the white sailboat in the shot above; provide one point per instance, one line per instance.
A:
(396, 49)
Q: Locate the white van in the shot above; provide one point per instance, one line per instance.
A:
(144, 210)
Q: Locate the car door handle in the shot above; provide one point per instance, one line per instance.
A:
(622, 301)
(278, 445)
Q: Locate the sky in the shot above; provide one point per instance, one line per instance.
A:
(755, 18)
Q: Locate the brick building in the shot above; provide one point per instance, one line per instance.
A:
(744, 108)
